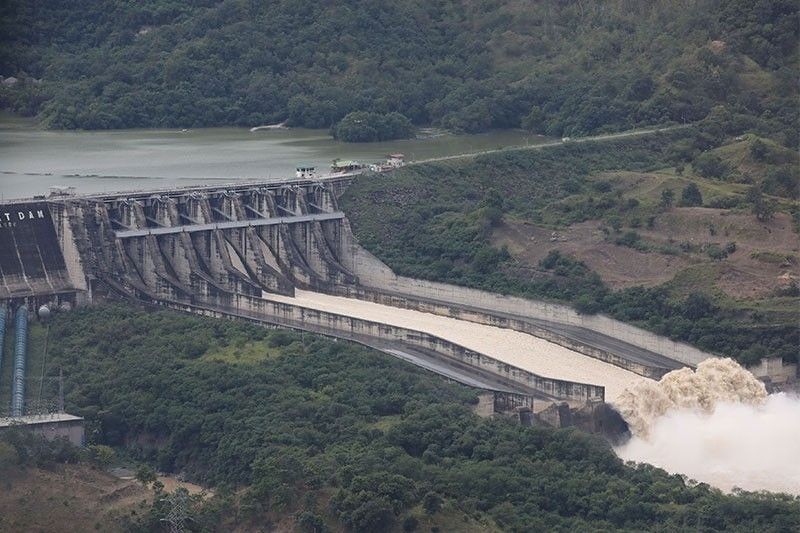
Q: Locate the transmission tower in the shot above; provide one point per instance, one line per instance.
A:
(179, 510)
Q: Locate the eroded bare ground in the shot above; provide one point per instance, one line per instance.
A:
(619, 266)
(766, 255)
(68, 498)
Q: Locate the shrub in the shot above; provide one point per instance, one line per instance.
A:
(629, 238)
(8, 456)
(410, 523)
(602, 186)
(691, 196)
(103, 455)
(724, 202)
(308, 522)
(432, 502)
(361, 126)
(715, 252)
(697, 305)
(711, 166)
(667, 198)
(759, 150)
(145, 475)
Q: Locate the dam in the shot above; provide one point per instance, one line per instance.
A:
(283, 255)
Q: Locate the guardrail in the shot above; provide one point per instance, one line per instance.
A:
(189, 228)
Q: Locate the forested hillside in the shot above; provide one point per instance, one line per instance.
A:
(299, 433)
(691, 234)
(560, 68)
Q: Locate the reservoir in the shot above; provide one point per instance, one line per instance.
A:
(33, 159)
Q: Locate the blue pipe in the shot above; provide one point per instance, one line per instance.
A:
(21, 347)
(3, 313)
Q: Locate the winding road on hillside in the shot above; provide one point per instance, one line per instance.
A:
(562, 142)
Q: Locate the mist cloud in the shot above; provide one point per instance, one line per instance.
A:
(753, 447)
(715, 425)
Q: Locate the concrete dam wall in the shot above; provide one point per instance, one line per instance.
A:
(221, 250)
(211, 246)
(31, 258)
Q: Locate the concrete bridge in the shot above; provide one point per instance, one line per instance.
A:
(224, 250)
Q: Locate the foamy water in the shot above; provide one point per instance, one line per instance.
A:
(716, 425)
(715, 381)
(518, 349)
(753, 447)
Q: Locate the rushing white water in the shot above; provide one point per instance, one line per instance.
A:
(519, 349)
(715, 380)
(716, 425)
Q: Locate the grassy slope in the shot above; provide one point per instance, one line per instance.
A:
(69, 498)
(432, 222)
(766, 243)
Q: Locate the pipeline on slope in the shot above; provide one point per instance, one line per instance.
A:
(20, 350)
(3, 313)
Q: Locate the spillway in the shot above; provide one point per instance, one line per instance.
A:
(283, 254)
(512, 347)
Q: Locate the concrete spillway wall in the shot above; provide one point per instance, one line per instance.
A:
(379, 279)
(463, 312)
(336, 325)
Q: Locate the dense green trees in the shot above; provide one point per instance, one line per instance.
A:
(307, 432)
(361, 126)
(560, 68)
